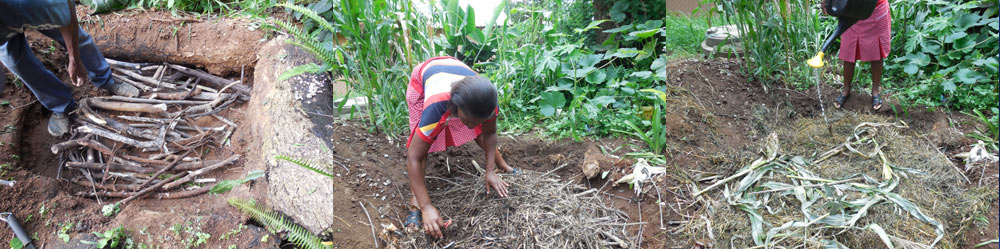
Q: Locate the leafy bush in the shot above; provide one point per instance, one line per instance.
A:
(945, 53)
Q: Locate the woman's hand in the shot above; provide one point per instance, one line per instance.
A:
(493, 181)
(433, 224)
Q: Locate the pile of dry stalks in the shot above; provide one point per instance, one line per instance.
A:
(872, 183)
(152, 135)
(540, 212)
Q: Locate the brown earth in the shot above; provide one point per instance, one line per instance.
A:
(43, 203)
(222, 45)
(714, 112)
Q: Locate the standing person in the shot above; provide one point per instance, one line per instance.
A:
(449, 105)
(868, 40)
(57, 20)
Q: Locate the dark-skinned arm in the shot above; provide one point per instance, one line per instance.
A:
(71, 36)
(416, 157)
(489, 129)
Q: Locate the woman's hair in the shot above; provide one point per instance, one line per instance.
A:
(475, 96)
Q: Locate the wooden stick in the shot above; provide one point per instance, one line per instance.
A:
(165, 169)
(123, 64)
(152, 101)
(145, 79)
(370, 225)
(175, 95)
(215, 81)
(150, 188)
(128, 107)
(113, 187)
(111, 167)
(84, 142)
(723, 181)
(144, 87)
(170, 195)
(190, 176)
(150, 145)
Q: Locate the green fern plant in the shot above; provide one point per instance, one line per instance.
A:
(276, 222)
(308, 42)
(304, 164)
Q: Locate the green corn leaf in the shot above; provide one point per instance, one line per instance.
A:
(987, 243)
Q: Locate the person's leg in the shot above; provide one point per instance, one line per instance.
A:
(876, 84)
(16, 55)
(848, 77)
(499, 158)
(97, 68)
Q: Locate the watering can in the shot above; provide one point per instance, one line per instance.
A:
(848, 12)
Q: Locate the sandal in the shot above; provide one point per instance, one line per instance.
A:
(839, 101)
(412, 217)
(515, 171)
(876, 102)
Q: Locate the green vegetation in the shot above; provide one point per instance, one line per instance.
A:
(553, 63)
(226, 185)
(110, 238)
(943, 52)
(276, 222)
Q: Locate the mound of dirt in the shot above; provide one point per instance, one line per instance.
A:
(926, 180)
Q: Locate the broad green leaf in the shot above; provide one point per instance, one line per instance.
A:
(966, 43)
(603, 101)
(920, 59)
(643, 34)
(577, 73)
(301, 69)
(618, 11)
(651, 24)
(596, 77)
(965, 21)
(4, 102)
(592, 25)
(476, 36)
(955, 36)
(911, 68)
(16, 243)
(493, 19)
(550, 101)
(641, 74)
(659, 63)
(590, 60)
(659, 94)
(647, 51)
(626, 27)
(967, 76)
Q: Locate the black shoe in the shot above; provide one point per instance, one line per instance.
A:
(123, 89)
(58, 124)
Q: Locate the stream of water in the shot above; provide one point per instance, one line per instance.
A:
(819, 94)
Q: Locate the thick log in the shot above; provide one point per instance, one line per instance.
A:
(127, 107)
(149, 145)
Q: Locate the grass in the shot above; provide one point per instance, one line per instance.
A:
(686, 34)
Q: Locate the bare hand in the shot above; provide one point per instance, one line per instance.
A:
(433, 224)
(493, 181)
(77, 72)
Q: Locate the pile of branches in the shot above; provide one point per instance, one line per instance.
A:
(539, 212)
(152, 135)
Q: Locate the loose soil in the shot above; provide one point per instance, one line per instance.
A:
(713, 120)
